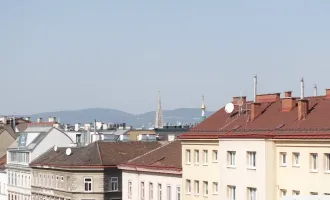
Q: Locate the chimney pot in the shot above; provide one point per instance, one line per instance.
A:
(327, 93)
(255, 110)
(302, 109)
(288, 93)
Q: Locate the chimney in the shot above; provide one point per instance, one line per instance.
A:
(255, 89)
(255, 111)
(236, 99)
(327, 93)
(315, 90)
(302, 88)
(39, 120)
(288, 94)
(302, 109)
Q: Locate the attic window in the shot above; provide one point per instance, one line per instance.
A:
(22, 140)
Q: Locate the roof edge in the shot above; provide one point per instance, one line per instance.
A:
(150, 168)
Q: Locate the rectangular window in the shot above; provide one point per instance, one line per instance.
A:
(326, 193)
(49, 181)
(215, 188)
(313, 161)
(295, 160)
(282, 193)
(196, 156)
(188, 156)
(251, 158)
(87, 183)
(178, 193)
(52, 182)
(252, 193)
(196, 187)
(231, 158)
(142, 191)
(169, 192)
(57, 183)
(205, 188)
(151, 191)
(129, 188)
(205, 156)
(295, 192)
(231, 192)
(215, 155)
(160, 192)
(188, 186)
(313, 193)
(113, 184)
(283, 160)
(327, 162)
(62, 182)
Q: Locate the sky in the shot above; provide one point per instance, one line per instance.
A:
(68, 55)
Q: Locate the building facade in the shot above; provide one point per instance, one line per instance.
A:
(3, 178)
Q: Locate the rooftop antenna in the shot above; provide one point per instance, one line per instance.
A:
(255, 89)
(315, 90)
(302, 88)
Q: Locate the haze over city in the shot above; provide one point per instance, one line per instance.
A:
(65, 55)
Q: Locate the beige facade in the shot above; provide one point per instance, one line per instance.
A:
(200, 166)
(64, 184)
(5, 141)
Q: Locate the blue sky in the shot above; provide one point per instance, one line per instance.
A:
(63, 55)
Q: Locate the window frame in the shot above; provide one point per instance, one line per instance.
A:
(295, 159)
(231, 192)
(188, 186)
(327, 162)
(313, 161)
(215, 187)
(205, 188)
(231, 159)
(188, 156)
(89, 184)
(252, 193)
(215, 156)
(196, 156)
(205, 157)
(142, 188)
(159, 191)
(112, 180)
(196, 187)
(129, 191)
(151, 191)
(169, 192)
(283, 159)
(252, 159)
(178, 193)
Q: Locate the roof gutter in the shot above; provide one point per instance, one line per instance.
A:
(150, 168)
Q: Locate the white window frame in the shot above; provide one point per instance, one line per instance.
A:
(89, 184)
(215, 187)
(252, 159)
(314, 162)
(151, 191)
(205, 157)
(314, 193)
(252, 193)
(169, 192)
(178, 193)
(129, 189)
(215, 156)
(283, 159)
(296, 159)
(196, 187)
(327, 162)
(188, 186)
(159, 191)
(115, 181)
(295, 192)
(231, 192)
(231, 159)
(196, 156)
(205, 188)
(188, 156)
(283, 192)
(142, 187)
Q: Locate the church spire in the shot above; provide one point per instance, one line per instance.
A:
(159, 122)
(203, 108)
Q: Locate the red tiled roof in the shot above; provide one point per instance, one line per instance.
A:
(271, 119)
(3, 161)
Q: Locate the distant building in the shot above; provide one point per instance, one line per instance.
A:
(3, 178)
(154, 175)
(84, 172)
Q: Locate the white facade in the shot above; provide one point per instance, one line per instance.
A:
(143, 185)
(19, 157)
(3, 185)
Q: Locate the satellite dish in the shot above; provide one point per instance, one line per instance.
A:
(68, 151)
(55, 148)
(229, 108)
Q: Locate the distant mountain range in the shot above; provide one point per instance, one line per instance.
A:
(183, 115)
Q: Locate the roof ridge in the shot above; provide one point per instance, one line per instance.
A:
(151, 151)
(99, 152)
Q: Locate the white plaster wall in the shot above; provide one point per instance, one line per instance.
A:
(137, 177)
(241, 176)
(3, 185)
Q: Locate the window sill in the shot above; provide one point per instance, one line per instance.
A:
(283, 165)
(231, 167)
(188, 163)
(327, 172)
(313, 171)
(297, 166)
(196, 164)
(196, 194)
(188, 193)
(205, 195)
(216, 193)
(251, 168)
(205, 164)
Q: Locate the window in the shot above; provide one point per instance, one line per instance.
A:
(169, 192)
(142, 190)
(295, 160)
(215, 188)
(87, 183)
(188, 186)
(52, 183)
(129, 188)
(252, 193)
(282, 193)
(205, 156)
(295, 192)
(251, 156)
(188, 156)
(314, 162)
(231, 192)
(205, 188)
(49, 181)
(62, 182)
(215, 156)
(113, 184)
(160, 194)
(326, 193)
(19, 179)
(196, 156)
(231, 158)
(178, 193)
(196, 187)
(327, 162)
(151, 191)
(57, 183)
(283, 159)
(313, 193)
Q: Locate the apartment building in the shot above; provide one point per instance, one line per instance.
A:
(154, 175)
(88, 172)
(266, 149)
(30, 144)
(3, 178)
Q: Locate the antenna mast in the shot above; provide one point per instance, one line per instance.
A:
(315, 90)
(302, 88)
(255, 89)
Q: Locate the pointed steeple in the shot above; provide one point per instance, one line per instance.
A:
(159, 122)
(203, 108)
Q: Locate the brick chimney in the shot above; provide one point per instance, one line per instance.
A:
(255, 110)
(302, 109)
(287, 94)
(327, 93)
(236, 99)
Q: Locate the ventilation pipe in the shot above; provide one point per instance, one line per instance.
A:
(302, 88)
(315, 90)
(255, 89)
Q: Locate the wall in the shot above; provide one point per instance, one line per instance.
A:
(156, 178)
(3, 185)
(202, 172)
(300, 177)
(5, 141)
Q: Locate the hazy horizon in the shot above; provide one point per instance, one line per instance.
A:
(72, 55)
